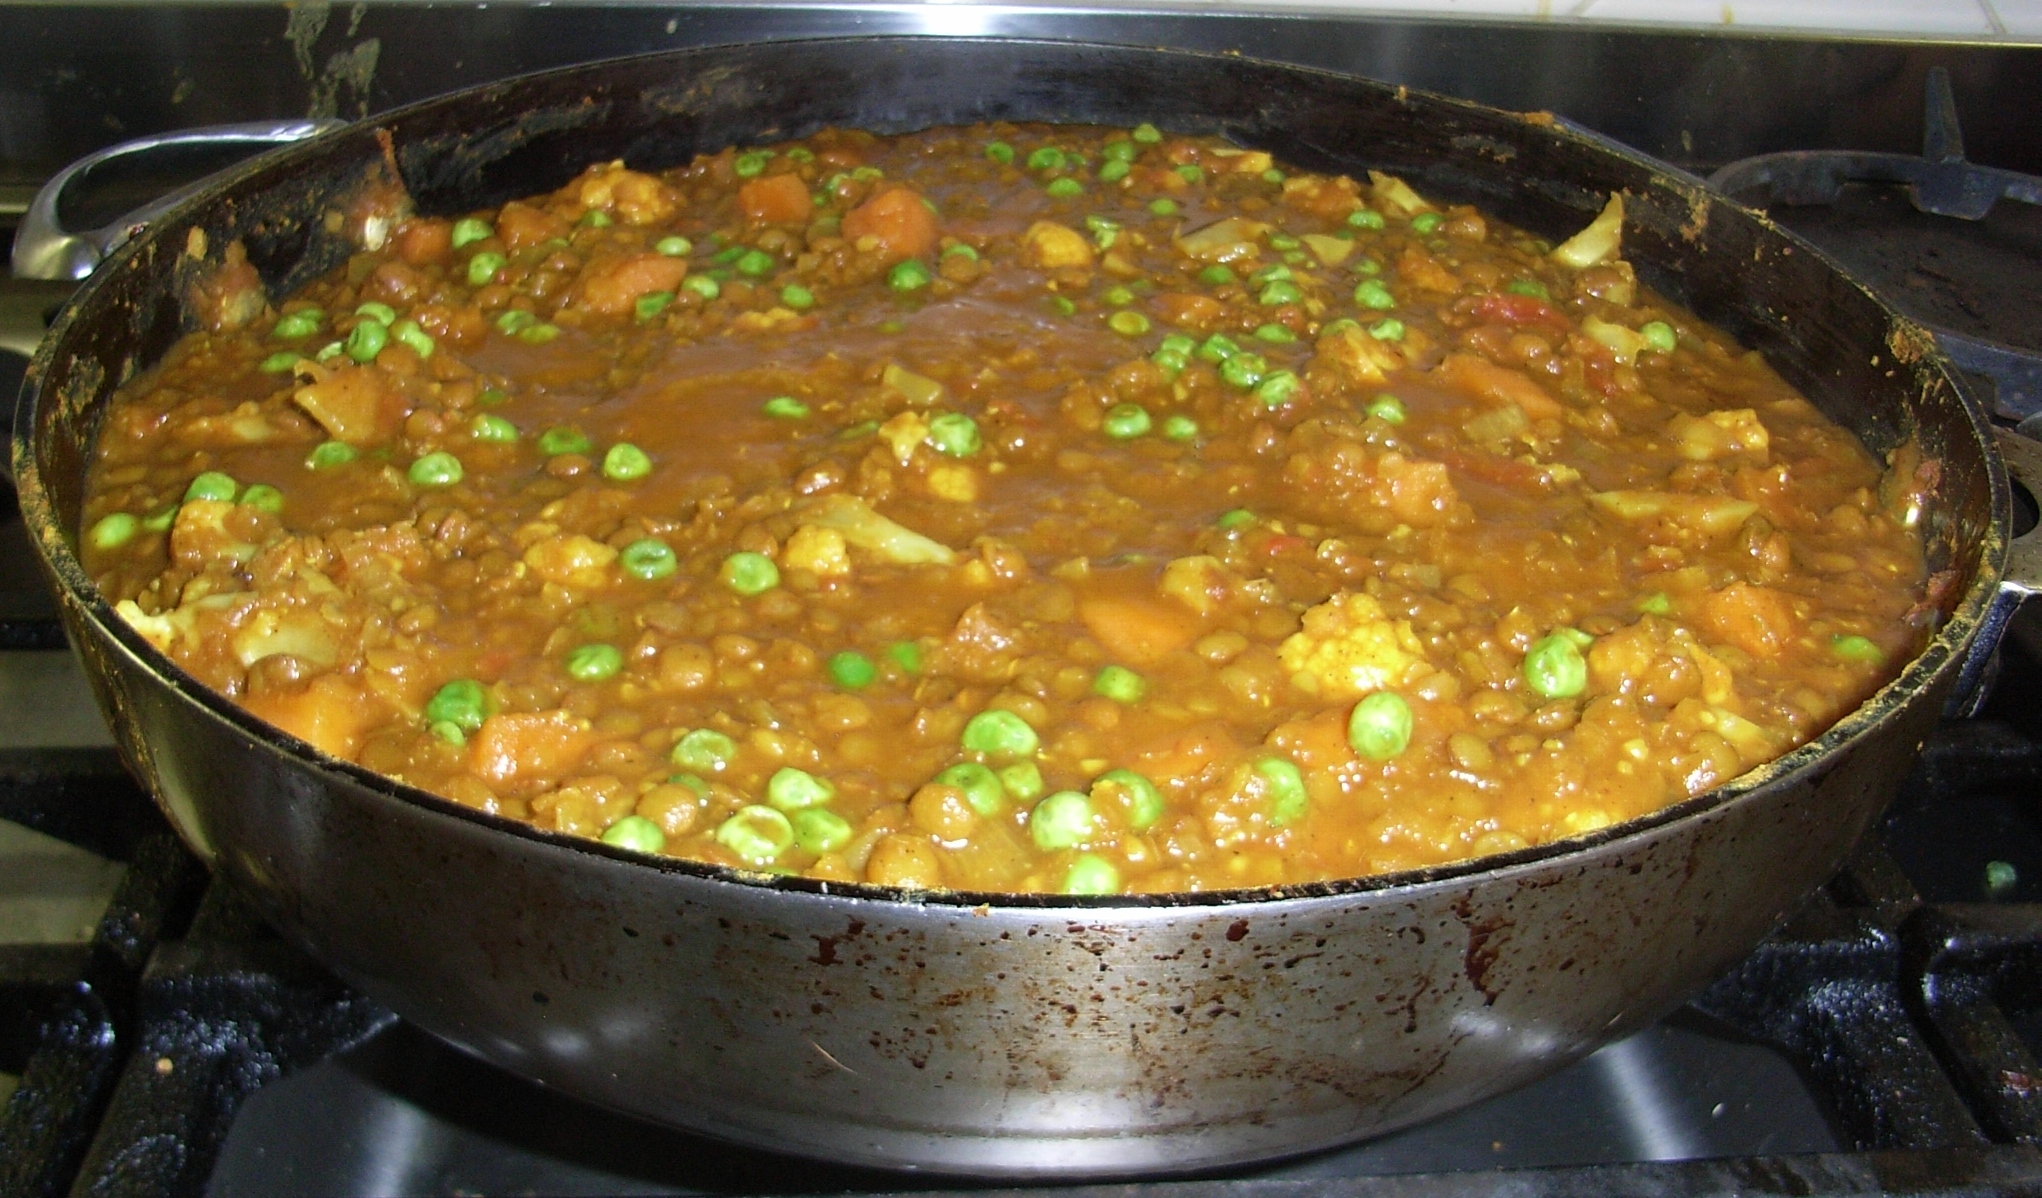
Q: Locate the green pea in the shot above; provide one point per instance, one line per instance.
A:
(1282, 241)
(1656, 604)
(328, 454)
(1139, 796)
(1279, 292)
(382, 314)
(440, 469)
(1022, 780)
(907, 655)
(280, 362)
(264, 497)
(491, 397)
(1047, 158)
(160, 520)
(1387, 330)
(852, 670)
(673, 247)
(1217, 276)
(512, 320)
(790, 789)
(954, 434)
(1387, 408)
(1125, 421)
(407, 333)
(450, 733)
(704, 750)
(1239, 517)
(1064, 188)
(563, 438)
(297, 326)
(366, 340)
(1062, 305)
(648, 559)
(1113, 170)
(113, 531)
(1288, 798)
(1366, 267)
(1000, 152)
(1372, 294)
(756, 264)
(749, 573)
(1277, 388)
(1191, 173)
(1272, 175)
(1659, 335)
(1217, 348)
(758, 835)
(908, 276)
(595, 218)
(212, 485)
(1856, 648)
(1091, 874)
(637, 833)
(1061, 821)
(1118, 297)
(463, 703)
(1000, 735)
(538, 334)
(1366, 219)
(730, 254)
(482, 268)
(981, 786)
(1171, 361)
(1128, 323)
(1119, 684)
(2001, 876)
(785, 407)
(1179, 427)
(471, 229)
(651, 304)
(1379, 727)
(1426, 222)
(797, 297)
(1275, 334)
(1163, 207)
(749, 165)
(1555, 669)
(625, 462)
(819, 830)
(492, 429)
(703, 286)
(594, 662)
(1244, 370)
(960, 250)
(1146, 134)
(1528, 287)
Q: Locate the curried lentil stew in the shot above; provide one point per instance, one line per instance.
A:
(1014, 508)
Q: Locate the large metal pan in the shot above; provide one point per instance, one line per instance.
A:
(1024, 1037)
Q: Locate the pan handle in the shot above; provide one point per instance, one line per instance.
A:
(2021, 580)
(43, 249)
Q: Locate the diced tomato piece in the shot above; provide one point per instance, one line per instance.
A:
(1503, 307)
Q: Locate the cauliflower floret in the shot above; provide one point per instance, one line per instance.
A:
(1348, 647)
(817, 550)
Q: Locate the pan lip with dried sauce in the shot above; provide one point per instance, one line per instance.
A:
(1967, 615)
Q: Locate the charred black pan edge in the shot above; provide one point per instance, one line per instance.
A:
(327, 848)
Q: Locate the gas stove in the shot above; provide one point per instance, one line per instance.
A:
(157, 1038)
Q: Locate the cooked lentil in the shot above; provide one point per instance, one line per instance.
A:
(909, 510)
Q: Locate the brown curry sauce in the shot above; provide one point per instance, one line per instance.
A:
(1296, 527)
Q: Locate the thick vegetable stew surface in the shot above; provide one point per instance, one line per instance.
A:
(1008, 509)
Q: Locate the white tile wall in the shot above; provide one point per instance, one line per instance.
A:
(1969, 20)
